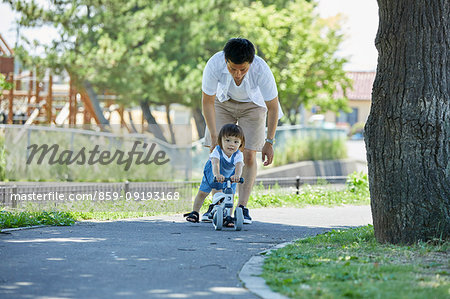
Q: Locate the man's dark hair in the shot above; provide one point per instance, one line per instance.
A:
(239, 50)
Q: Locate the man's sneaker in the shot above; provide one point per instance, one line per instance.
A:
(207, 217)
(247, 218)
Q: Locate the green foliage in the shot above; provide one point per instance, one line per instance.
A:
(155, 51)
(141, 50)
(25, 218)
(4, 84)
(299, 48)
(311, 148)
(358, 183)
(350, 263)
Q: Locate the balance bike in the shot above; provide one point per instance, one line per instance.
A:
(223, 202)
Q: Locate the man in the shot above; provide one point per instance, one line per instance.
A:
(238, 87)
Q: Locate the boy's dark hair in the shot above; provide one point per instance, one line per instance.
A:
(231, 130)
(239, 50)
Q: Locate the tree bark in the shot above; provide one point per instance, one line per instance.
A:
(95, 102)
(133, 127)
(169, 123)
(200, 123)
(153, 126)
(408, 129)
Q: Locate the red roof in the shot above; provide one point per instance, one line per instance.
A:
(362, 86)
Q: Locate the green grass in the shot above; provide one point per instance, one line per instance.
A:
(31, 213)
(351, 264)
(121, 209)
(89, 210)
(355, 192)
(309, 196)
(14, 219)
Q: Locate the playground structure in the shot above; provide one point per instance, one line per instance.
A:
(40, 99)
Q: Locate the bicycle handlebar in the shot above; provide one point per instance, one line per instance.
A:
(241, 180)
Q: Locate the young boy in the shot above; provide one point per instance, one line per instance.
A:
(226, 160)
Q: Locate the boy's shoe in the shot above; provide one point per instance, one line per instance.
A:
(247, 218)
(228, 222)
(207, 217)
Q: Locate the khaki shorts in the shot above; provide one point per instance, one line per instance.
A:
(251, 118)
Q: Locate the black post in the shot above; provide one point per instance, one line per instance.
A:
(126, 189)
(14, 202)
(297, 184)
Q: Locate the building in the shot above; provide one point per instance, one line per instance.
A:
(359, 100)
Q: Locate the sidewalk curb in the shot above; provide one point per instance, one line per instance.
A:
(251, 270)
(5, 230)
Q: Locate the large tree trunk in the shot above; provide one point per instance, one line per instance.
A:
(408, 129)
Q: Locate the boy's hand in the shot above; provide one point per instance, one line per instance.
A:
(235, 178)
(220, 178)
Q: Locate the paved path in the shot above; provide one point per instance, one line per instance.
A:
(154, 257)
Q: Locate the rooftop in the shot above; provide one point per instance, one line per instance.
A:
(362, 86)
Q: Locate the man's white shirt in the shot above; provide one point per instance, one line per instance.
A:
(258, 84)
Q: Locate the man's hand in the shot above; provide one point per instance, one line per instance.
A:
(272, 122)
(267, 154)
(213, 143)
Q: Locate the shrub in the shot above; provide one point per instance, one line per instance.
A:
(310, 148)
(358, 183)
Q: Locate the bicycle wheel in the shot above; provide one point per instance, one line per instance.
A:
(239, 222)
(218, 218)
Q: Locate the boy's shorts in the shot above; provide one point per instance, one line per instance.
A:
(248, 115)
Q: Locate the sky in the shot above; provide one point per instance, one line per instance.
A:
(360, 27)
